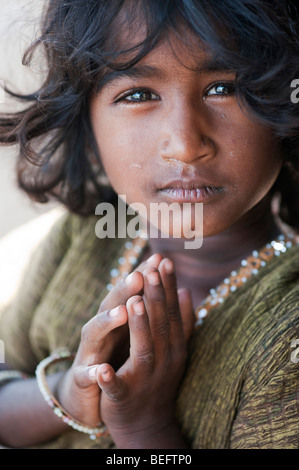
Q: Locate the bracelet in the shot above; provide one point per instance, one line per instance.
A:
(40, 373)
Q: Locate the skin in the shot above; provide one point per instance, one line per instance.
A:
(181, 130)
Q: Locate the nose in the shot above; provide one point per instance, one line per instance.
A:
(184, 135)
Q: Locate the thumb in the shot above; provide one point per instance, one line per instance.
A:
(111, 384)
(187, 311)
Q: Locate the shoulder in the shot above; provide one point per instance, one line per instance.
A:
(267, 414)
(272, 323)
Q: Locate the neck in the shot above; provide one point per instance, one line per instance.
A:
(220, 254)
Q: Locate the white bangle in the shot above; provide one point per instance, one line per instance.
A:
(51, 401)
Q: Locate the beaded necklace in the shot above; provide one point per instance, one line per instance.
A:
(249, 267)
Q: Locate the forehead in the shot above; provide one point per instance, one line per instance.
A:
(136, 36)
(173, 49)
(171, 57)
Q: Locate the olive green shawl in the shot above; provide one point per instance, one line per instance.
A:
(240, 390)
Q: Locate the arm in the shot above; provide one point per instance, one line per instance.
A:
(24, 416)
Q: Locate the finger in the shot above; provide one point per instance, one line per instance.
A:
(86, 375)
(130, 285)
(152, 262)
(156, 308)
(168, 276)
(142, 354)
(187, 312)
(119, 294)
(95, 334)
(113, 386)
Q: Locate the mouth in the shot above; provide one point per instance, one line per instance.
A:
(189, 191)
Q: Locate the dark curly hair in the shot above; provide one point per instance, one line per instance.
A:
(258, 39)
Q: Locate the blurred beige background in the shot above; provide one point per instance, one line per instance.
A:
(22, 223)
(17, 28)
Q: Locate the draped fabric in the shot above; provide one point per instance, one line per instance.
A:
(240, 389)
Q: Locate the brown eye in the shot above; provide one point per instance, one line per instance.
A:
(138, 96)
(221, 89)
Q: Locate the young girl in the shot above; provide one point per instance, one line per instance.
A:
(184, 102)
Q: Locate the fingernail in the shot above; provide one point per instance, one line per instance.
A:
(114, 312)
(106, 375)
(168, 266)
(153, 278)
(138, 307)
(92, 372)
(151, 258)
(129, 278)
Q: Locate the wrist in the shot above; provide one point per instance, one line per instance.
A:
(55, 405)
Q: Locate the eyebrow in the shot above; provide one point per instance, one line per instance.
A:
(136, 72)
(142, 71)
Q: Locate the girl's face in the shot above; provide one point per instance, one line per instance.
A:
(169, 133)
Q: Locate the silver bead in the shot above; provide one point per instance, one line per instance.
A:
(202, 313)
(277, 246)
(114, 272)
(198, 322)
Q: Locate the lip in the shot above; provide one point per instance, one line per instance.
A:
(189, 191)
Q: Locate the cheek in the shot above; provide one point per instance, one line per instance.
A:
(248, 155)
(114, 150)
(255, 170)
(126, 162)
(126, 151)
